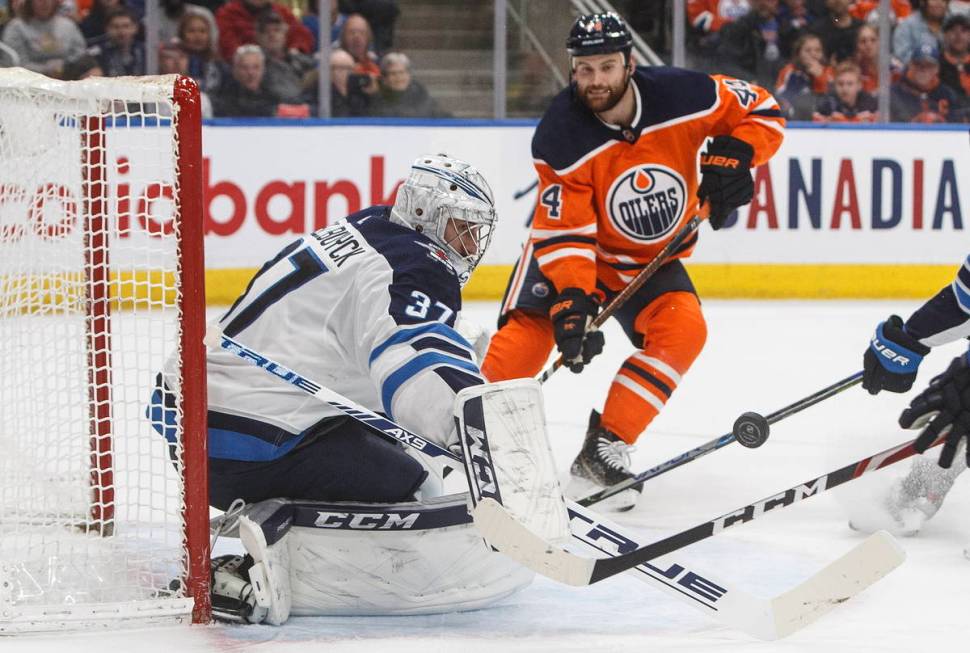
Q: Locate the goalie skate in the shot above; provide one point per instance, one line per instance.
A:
(233, 599)
(603, 461)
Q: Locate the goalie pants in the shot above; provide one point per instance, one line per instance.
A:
(663, 320)
(343, 462)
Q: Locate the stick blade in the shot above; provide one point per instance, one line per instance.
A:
(504, 532)
(842, 579)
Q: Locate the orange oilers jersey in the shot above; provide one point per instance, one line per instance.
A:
(610, 198)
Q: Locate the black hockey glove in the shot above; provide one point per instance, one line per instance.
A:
(893, 356)
(571, 315)
(726, 177)
(945, 407)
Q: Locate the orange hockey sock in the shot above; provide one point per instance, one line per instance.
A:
(674, 333)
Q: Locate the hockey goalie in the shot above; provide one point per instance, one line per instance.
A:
(337, 519)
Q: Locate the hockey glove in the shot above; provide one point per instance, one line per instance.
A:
(725, 177)
(945, 408)
(893, 356)
(571, 316)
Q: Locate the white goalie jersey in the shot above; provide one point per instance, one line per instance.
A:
(367, 308)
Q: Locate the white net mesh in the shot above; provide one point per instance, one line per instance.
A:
(91, 505)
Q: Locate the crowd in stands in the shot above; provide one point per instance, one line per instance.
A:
(821, 57)
(250, 58)
(260, 57)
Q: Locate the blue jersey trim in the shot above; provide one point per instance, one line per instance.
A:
(162, 417)
(414, 366)
(235, 445)
(963, 297)
(405, 334)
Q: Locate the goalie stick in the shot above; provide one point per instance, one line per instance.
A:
(722, 441)
(765, 619)
(506, 534)
(689, 227)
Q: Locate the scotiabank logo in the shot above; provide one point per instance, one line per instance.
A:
(52, 211)
(301, 217)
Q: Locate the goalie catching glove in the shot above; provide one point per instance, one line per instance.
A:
(944, 407)
(725, 177)
(571, 315)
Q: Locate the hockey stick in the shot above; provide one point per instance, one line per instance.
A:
(689, 227)
(751, 430)
(506, 534)
(765, 619)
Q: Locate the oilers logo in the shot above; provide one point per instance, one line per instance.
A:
(646, 202)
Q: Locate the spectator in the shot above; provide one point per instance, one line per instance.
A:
(797, 14)
(121, 54)
(847, 102)
(919, 96)
(244, 94)
(94, 24)
(380, 15)
(346, 98)
(197, 40)
(705, 19)
(82, 67)
(751, 47)
(955, 61)
(868, 10)
(43, 39)
(837, 30)
(401, 95)
(866, 56)
(174, 60)
(708, 16)
(356, 38)
(237, 26)
(805, 79)
(172, 13)
(286, 70)
(924, 27)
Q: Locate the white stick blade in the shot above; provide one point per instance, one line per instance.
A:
(837, 583)
(501, 530)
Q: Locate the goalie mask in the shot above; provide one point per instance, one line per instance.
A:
(450, 202)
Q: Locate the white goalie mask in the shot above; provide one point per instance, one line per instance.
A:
(449, 201)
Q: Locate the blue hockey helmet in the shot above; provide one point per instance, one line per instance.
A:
(599, 34)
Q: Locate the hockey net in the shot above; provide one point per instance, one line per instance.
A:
(103, 502)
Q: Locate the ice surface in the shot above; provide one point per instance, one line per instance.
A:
(760, 356)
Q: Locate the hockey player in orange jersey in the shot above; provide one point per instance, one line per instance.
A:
(617, 157)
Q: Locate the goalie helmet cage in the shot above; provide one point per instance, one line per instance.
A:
(103, 474)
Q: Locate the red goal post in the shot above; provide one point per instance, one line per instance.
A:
(103, 471)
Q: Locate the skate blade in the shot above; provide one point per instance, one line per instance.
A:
(580, 487)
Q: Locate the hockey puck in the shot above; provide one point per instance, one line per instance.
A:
(751, 430)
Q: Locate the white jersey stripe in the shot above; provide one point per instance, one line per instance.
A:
(640, 391)
(563, 253)
(660, 366)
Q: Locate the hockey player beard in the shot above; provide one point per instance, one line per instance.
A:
(603, 97)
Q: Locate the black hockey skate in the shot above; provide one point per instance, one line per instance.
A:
(603, 461)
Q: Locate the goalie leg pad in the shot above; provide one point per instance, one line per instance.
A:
(394, 559)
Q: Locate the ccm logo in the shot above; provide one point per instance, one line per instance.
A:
(366, 521)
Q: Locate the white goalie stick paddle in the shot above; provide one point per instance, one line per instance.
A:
(762, 618)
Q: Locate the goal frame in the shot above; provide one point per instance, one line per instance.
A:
(97, 223)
